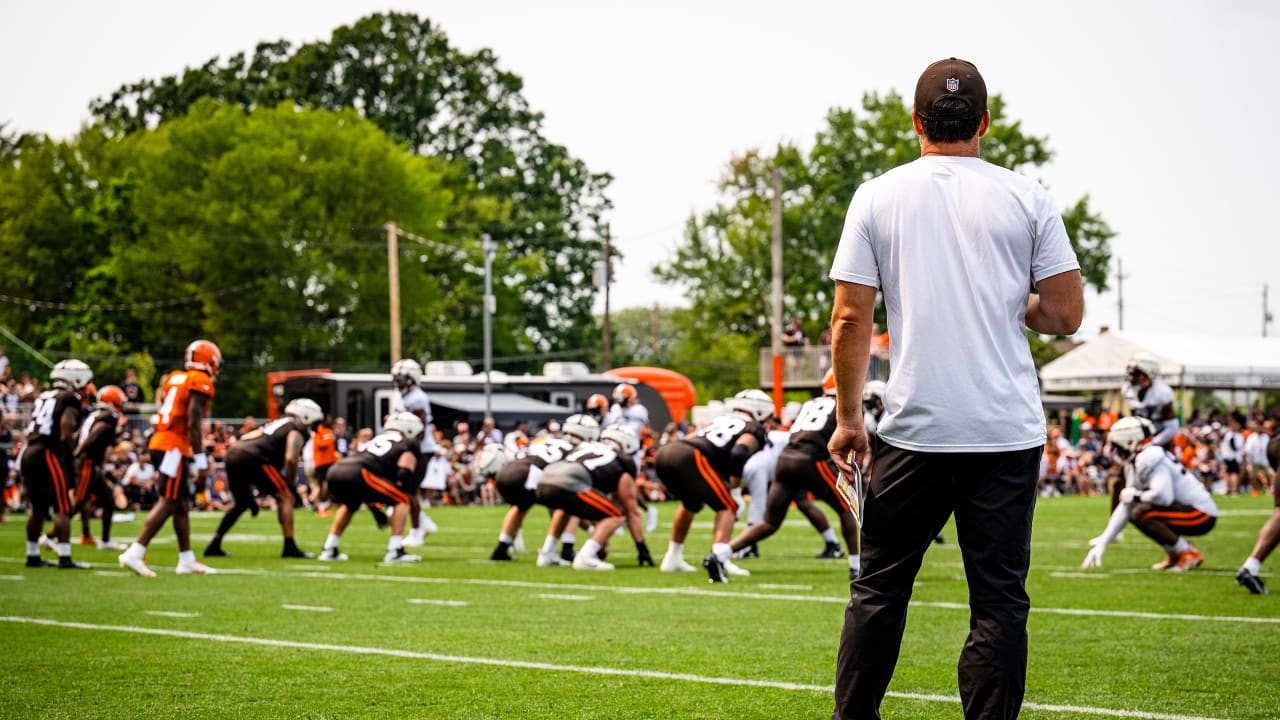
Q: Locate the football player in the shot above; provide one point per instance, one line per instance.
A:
(1147, 398)
(517, 479)
(596, 406)
(267, 459)
(1268, 536)
(407, 375)
(701, 469)
(184, 398)
(804, 466)
(98, 434)
(46, 461)
(1160, 497)
(383, 472)
(597, 482)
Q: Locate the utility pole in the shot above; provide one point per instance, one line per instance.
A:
(776, 324)
(1120, 276)
(490, 307)
(393, 282)
(1266, 311)
(606, 351)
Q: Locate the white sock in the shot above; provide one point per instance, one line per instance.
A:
(33, 548)
(590, 548)
(829, 535)
(395, 543)
(569, 537)
(505, 539)
(1253, 565)
(136, 551)
(331, 542)
(722, 551)
(549, 545)
(1182, 545)
(187, 557)
(675, 549)
(855, 562)
(64, 550)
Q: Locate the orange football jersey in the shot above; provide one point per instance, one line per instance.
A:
(173, 430)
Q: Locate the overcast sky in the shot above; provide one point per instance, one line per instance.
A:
(1160, 111)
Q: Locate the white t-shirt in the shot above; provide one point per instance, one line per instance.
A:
(415, 399)
(955, 245)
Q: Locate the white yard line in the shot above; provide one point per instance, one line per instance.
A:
(308, 608)
(433, 601)
(553, 596)
(501, 662)
(172, 614)
(698, 592)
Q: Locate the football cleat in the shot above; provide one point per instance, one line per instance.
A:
(216, 551)
(733, 569)
(400, 556)
(195, 567)
(35, 561)
(675, 563)
(551, 559)
(1187, 561)
(831, 552)
(138, 565)
(110, 545)
(87, 540)
(1168, 562)
(413, 539)
(715, 569)
(584, 561)
(854, 574)
(296, 553)
(1244, 577)
(66, 563)
(501, 554)
(332, 555)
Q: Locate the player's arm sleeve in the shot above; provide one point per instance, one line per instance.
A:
(1159, 486)
(1119, 518)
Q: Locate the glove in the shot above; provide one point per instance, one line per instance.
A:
(1128, 495)
(1094, 542)
(642, 550)
(1094, 558)
(200, 461)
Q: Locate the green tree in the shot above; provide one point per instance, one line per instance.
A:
(723, 264)
(400, 72)
(260, 231)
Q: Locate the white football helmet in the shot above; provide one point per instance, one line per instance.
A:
(873, 390)
(490, 459)
(1144, 363)
(406, 423)
(755, 404)
(306, 410)
(581, 427)
(1131, 434)
(405, 372)
(70, 374)
(622, 436)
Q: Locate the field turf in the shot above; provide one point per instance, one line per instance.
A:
(458, 636)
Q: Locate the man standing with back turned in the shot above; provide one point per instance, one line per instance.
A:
(956, 245)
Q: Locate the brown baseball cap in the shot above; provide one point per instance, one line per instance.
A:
(951, 78)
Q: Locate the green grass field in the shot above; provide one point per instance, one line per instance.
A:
(457, 636)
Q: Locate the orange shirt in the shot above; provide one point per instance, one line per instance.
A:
(324, 448)
(173, 430)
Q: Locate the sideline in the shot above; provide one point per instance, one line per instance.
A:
(623, 672)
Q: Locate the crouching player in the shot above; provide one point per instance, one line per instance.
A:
(1160, 498)
(597, 482)
(382, 472)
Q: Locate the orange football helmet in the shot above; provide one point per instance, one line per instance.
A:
(88, 393)
(113, 397)
(204, 355)
(597, 405)
(829, 383)
(624, 394)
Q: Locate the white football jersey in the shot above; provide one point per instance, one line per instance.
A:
(1151, 406)
(1162, 481)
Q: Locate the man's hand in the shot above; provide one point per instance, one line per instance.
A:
(845, 440)
(642, 550)
(1128, 495)
(1094, 558)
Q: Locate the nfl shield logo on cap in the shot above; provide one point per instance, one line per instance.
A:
(953, 84)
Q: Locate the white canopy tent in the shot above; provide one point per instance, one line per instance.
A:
(1192, 362)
